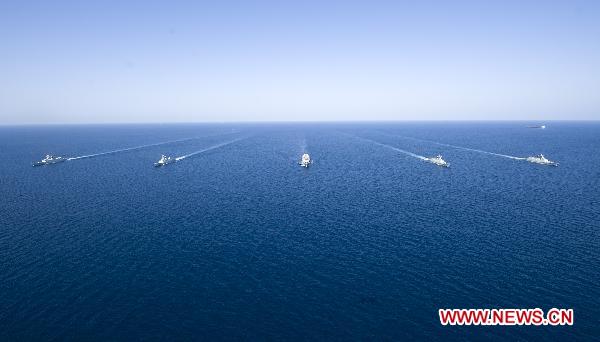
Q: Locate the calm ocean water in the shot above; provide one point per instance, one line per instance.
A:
(239, 242)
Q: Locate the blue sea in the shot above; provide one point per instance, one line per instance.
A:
(238, 242)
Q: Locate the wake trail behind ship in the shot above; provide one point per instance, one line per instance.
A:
(210, 148)
(394, 148)
(458, 147)
(139, 147)
(303, 146)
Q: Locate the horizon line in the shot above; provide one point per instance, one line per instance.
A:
(284, 122)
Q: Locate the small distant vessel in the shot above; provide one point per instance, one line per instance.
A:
(437, 160)
(164, 160)
(50, 159)
(305, 161)
(540, 127)
(540, 159)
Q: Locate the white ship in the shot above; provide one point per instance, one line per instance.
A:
(50, 159)
(540, 127)
(305, 161)
(541, 160)
(164, 160)
(437, 160)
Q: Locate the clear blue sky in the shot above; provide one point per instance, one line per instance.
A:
(162, 61)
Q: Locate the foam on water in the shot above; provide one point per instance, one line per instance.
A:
(209, 148)
(458, 147)
(303, 145)
(138, 147)
(394, 148)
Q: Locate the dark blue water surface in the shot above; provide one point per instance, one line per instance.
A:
(239, 242)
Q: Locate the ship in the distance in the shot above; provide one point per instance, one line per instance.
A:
(540, 159)
(164, 160)
(437, 160)
(50, 159)
(305, 161)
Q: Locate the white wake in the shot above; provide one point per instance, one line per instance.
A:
(457, 147)
(303, 146)
(142, 146)
(209, 148)
(394, 148)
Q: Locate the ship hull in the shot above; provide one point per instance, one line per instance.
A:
(48, 162)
